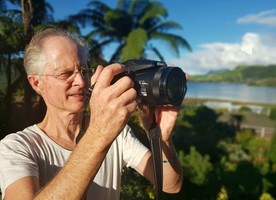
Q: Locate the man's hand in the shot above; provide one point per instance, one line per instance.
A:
(164, 116)
(111, 105)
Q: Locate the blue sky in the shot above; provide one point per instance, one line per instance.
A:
(222, 33)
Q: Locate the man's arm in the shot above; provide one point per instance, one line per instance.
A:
(72, 180)
(24, 188)
(172, 170)
(83, 164)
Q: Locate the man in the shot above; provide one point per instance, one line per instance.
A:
(71, 156)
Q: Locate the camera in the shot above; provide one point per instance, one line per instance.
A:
(155, 82)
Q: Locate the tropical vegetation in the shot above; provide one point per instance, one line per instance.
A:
(132, 25)
(220, 161)
(251, 74)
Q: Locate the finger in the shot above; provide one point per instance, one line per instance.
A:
(127, 97)
(187, 76)
(132, 106)
(120, 86)
(96, 75)
(107, 75)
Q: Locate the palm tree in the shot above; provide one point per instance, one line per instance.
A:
(132, 25)
(12, 42)
(16, 28)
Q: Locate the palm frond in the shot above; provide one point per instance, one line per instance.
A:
(153, 14)
(174, 41)
(13, 14)
(135, 45)
(96, 46)
(137, 7)
(93, 16)
(164, 26)
(88, 17)
(157, 53)
(98, 5)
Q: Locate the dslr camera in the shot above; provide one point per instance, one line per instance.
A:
(155, 82)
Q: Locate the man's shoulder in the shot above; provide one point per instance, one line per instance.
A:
(25, 137)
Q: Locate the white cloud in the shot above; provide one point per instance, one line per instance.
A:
(265, 18)
(253, 49)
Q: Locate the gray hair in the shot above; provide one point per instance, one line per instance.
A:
(35, 60)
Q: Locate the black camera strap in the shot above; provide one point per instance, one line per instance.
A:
(154, 136)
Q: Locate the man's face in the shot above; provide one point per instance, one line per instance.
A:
(62, 86)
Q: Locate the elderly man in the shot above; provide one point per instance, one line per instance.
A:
(72, 156)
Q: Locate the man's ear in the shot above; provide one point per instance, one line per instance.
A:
(36, 83)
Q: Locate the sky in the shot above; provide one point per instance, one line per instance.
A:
(222, 33)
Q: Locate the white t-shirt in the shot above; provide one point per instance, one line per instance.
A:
(32, 153)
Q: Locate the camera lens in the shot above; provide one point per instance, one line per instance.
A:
(172, 85)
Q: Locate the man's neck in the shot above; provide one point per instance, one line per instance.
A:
(63, 128)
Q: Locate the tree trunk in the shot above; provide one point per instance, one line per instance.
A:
(27, 14)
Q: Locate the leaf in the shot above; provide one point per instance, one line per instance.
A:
(135, 44)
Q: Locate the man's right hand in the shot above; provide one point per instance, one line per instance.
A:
(111, 105)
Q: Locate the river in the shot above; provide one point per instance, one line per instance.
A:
(232, 92)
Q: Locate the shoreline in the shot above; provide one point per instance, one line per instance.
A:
(189, 100)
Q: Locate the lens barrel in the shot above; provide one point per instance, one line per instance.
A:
(155, 82)
(169, 86)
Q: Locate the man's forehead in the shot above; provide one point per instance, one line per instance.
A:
(54, 42)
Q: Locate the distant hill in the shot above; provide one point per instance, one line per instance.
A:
(252, 75)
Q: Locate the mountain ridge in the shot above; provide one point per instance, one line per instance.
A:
(258, 75)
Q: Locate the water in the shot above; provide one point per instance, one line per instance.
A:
(233, 92)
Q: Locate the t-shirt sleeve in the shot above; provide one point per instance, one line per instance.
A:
(134, 150)
(16, 161)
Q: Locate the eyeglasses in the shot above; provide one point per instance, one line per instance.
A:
(70, 75)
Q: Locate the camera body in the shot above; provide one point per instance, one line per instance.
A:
(155, 82)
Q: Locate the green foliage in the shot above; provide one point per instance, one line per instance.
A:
(271, 155)
(266, 185)
(219, 162)
(266, 196)
(119, 26)
(234, 152)
(257, 147)
(119, 21)
(196, 166)
(273, 113)
(134, 186)
(201, 130)
(244, 137)
(222, 195)
(243, 183)
(135, 45)
(240, 160)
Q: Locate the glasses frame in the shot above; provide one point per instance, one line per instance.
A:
(67, 76)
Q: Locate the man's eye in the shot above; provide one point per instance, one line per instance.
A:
(66, 75)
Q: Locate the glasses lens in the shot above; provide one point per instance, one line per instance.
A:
(86, 72)
(66, 75)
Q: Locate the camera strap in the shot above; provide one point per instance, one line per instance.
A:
(154, 136)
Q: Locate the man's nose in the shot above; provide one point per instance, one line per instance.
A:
(79, 78)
